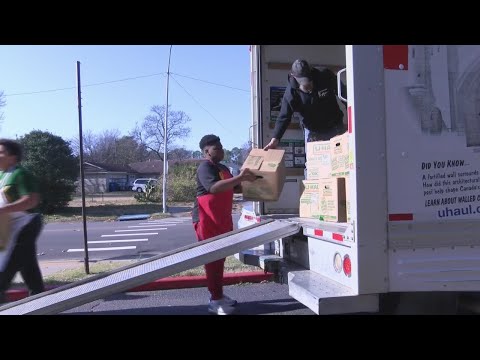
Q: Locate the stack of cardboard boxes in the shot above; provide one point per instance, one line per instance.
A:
(325, 194)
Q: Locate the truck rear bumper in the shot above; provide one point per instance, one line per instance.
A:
(324, 296)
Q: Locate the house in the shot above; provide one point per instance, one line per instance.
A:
(101, 178)
(148, 169)
(98, 177)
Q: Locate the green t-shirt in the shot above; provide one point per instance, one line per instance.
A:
(17, 183)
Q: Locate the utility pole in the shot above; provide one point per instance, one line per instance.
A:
(82, 174)
(165, 160)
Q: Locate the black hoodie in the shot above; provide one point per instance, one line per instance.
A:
(319, 110)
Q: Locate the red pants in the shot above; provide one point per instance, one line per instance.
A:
(213, 270)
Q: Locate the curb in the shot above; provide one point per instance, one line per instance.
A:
(180, 282)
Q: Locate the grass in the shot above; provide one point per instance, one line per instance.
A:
(232, 265)
(107, 207)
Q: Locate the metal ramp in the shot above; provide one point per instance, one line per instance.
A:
(82, 292)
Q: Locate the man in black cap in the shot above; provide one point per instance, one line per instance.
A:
(312, 93)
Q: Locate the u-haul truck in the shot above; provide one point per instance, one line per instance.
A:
(412, 242)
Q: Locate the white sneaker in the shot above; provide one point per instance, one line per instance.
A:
(219, 307)
(228, 300)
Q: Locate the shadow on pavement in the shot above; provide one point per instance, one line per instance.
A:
(266, 307)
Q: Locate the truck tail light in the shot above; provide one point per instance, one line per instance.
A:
(337, 262)
(347, 266)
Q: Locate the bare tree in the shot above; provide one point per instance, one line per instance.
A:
(179, 154)
(128, 150)
(151, 131)
(246, 148)
(89, 143)
(110, 148)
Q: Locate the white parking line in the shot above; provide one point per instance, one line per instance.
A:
(147, 225)
(115, 241)
(158, 223)
(141, 230)
(104, 249)
(129, 234)
(168, 221)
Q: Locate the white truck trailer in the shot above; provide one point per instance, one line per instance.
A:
(412, 244)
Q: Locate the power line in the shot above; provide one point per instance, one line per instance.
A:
(209, 82)
(198, 102)
(120, 80)
(87, 85)
(126, 79)
(41, 91)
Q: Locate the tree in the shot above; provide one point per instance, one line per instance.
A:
(197, 155)
(51, 160)
(179, 154)
(239, 155)
(227, 157)
(246, 148)
(110, 148)
(236, 156)
(151, 131)
(128, 151)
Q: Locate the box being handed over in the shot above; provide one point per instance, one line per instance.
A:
(269, 166)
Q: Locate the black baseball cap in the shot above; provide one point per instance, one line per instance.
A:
(301, 71)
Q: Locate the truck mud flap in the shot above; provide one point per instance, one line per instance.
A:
(97, 287)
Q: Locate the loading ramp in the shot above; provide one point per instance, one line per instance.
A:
(100, 286)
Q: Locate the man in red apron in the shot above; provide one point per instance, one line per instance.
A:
(212, 213)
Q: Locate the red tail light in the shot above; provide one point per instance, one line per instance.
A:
(347, 266)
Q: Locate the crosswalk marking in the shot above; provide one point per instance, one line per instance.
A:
(159, 223)
(130, 234)
(151, 225)
(141, 230)
(104, 249)
(115, 241)
(148, 225)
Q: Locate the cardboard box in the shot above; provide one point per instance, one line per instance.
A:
(324, 199)
(271, 167)
(319, 151)
(318, 170)
(310, 199)
(340, 161)
(333, 205)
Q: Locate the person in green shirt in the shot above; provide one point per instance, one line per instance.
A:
(19, 199)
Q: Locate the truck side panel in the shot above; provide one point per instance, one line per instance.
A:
(433, 134)
(433, 137)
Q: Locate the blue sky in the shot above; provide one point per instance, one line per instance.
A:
(118, 105)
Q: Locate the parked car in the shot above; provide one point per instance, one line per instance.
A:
(139, 185)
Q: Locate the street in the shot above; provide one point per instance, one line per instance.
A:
(118, 240)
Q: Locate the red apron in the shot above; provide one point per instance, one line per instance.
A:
(215, 212)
